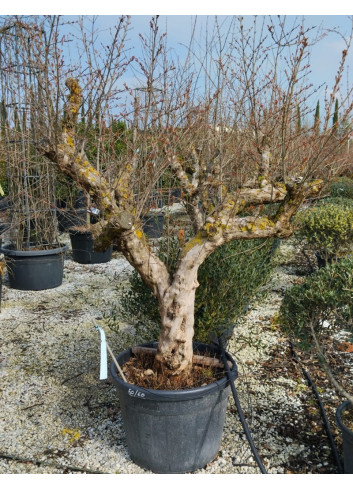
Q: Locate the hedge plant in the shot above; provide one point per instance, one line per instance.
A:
(326, 228)
(229, 279)
(344, 202)
(342, 187)
(326, 295)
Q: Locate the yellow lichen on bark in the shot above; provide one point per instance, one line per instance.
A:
(198, 239)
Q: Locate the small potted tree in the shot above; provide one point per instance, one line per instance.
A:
(34, 256)
(233, 149)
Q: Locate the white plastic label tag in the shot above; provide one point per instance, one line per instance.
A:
(104, 359)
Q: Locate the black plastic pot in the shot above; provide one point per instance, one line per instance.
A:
(36, 269)
(173, 431)
(3, 229)
(83, 250)
(5, 203)
(153, 224)
(347, 436)
(81, 201)
(69, 218)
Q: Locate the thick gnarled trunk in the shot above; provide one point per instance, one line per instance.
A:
(175, 347)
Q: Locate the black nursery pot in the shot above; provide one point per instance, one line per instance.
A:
(36, 269)
(347, 437)
(153, 224)
(173, 431)
(83, 250)
(68, 218)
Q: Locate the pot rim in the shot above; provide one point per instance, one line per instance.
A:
(8, 250)
(343, 407)
(172, 395)
(85, 232)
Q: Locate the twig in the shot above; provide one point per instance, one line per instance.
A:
(116, 363)
(32, 406)
(312, 269)
(48, 464)
(70, 378)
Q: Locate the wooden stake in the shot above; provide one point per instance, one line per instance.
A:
(198, 359)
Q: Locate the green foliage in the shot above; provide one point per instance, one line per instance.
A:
(109, 141)
(326, 228)
(228, 280)
(335, 116)
(342, 187)
(326, 295)
(343, 202)
(3, 179)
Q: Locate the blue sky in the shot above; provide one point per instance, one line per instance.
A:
(325, 57)
(179, 15)
(179, 18)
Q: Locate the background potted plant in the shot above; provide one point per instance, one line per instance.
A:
(314, 314)
(34, 256)
(233, 147)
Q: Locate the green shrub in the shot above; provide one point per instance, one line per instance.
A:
(343, 202)
(326, 295)
(3, 179)
(326, 228)
(342, 187)
(228, 279)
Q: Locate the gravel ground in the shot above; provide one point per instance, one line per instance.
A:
(57, 417)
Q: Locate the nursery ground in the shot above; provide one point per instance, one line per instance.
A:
(57, 417)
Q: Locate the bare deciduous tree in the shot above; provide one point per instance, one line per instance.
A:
(222, 123)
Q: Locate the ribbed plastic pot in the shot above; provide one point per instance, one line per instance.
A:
(83, 250)
(172, 432)
(36, 269)
(347, 437)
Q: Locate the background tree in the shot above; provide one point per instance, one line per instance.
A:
(221, 121)
(335, 117)
(317, 116)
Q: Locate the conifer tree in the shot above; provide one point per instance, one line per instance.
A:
(335, 117)
(317, 117)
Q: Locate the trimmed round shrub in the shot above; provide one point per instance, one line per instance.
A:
(343, 202)
(342, 187)
(326, 228)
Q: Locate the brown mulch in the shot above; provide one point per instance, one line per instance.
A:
(140, 370)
